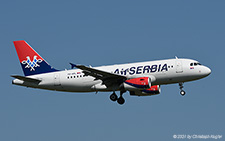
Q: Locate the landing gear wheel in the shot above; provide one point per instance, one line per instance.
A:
(121, 100)
(182, 92)
(113, 97)
(181, 85)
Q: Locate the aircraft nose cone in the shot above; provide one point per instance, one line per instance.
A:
(207, 71)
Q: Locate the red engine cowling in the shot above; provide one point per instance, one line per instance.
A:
(154, 90)
(140, 83)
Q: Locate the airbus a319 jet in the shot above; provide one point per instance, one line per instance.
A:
(139, 79)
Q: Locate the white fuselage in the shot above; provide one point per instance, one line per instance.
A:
(160, 72)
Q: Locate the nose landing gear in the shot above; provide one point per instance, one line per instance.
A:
(119, 100)
(182, 92)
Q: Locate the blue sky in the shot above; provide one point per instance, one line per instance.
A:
(112, 32)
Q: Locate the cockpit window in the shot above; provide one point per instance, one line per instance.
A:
(195, 64)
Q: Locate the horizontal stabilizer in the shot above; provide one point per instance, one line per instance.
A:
(28, 79)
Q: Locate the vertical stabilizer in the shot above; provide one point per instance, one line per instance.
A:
(31, 62)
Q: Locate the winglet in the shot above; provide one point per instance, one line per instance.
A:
(72, 65)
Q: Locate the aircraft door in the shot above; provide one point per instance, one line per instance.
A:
(179, 67)
(57, 79)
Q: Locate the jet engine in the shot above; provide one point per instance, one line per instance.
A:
(153, 90)
(140, 83)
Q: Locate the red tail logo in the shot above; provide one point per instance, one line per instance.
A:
(31, 67)
(24, 50)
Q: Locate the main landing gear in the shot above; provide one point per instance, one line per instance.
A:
(182, 92)
(119, 100)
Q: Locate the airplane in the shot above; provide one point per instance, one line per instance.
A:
(139, 79)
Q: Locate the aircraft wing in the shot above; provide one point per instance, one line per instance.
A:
(108, 78)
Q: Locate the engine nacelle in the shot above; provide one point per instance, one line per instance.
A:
(154, 90)
(140, 83)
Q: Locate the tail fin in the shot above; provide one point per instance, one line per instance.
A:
(31, 62)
